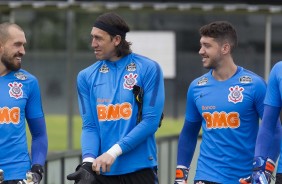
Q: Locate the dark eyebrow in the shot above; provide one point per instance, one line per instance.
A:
(20, 43)
(201, 44)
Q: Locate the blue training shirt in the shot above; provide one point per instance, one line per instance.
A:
(20, 100)
(229, 111)
(109, 111)
(274, 97)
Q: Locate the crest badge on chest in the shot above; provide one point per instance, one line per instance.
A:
(131, 67)
(202, 81)
(20, 76)
(129, 81)
(16, 90)
(104, 69)
(236, 94)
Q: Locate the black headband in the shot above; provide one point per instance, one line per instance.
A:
(109, 29)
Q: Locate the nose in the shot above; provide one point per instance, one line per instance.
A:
(22, 50)
(94, 43)
(201, 51)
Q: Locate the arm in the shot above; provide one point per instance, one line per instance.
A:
(39, 144)
(153, 104)
(192, 125)
(89, 128)
(188, 138)
(268, 145)
(269, 133)
(187, 143)
(37, 126)
(39, 147)
(186, 147)
(90, 141)
(268, 140)
(36, 122)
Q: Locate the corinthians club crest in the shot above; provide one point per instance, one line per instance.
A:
(130, 81)
(16, 90)
(235, 94)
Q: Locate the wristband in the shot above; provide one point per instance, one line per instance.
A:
(181, 173)
(270, 165)
(88, 159)
(115, 151)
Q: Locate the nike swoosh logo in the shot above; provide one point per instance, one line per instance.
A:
(95, 85)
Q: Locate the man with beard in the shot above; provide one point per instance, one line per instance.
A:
(20, 102)
(227, 102)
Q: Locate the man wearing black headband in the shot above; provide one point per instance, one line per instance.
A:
(118, 142)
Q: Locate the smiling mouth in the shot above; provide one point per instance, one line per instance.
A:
(19, 59)
(96, 51)
(204, 59)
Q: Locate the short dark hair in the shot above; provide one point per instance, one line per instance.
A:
(4, 30)
(221, 31)
(118, 23)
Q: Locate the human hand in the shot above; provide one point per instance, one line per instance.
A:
(34, 176)
(83, 174)
(103, 163)
(181, 176)
(262, 172)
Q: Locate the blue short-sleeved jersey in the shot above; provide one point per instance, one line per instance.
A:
(109, 111)
(20, 99)
(229, 111)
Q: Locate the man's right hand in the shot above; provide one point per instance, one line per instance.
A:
(83, 174)
(181, 176)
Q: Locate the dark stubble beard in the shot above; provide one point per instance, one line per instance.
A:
(9, 63)
(214, 62)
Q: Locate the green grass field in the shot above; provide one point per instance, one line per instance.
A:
(57, 131)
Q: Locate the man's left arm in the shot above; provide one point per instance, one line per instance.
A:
(39, 147)
(37, 126)
(39, 142)
(153, 105)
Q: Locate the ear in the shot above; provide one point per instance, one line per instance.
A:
(117, 40)
(225, 48)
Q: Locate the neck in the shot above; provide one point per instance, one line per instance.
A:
(115, 58)
(3, 70)
(225, 71)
